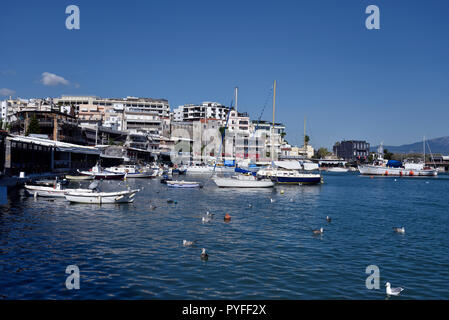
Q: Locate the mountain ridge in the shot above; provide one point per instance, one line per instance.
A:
(437, 145)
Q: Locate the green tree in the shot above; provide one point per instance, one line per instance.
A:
(306, 140)
(33, 126)
(321, 153)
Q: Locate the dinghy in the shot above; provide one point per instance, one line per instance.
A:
(182, 184)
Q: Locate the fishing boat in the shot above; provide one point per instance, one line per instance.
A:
(102, 197)
(131, 171)
(98, 173)
(242, 181)
(383, 167)
(51, 192)
(182, 184)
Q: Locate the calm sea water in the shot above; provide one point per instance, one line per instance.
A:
(266, 252)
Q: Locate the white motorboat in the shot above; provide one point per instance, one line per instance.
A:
(182, 184)
(98, 173)
(242, 181)
(102, 197)
(131, 171)
(78, 178)
(52, 192)
(337, 169)
(288, 172)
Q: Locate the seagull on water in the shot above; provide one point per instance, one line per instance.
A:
(328, 219)
(393, 291)
(187, 243)
(272, 200)
(206, 219)
(318, 231)
(399, 230)
(204, 255)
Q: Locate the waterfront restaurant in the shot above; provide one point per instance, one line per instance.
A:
(37, 156)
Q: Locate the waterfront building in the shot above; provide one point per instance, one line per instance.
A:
(352, 150)
(56, 125)
(35, 155)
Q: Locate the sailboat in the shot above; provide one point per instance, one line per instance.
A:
(239, 179)
(287, 172)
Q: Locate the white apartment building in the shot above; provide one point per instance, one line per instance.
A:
(206, 110)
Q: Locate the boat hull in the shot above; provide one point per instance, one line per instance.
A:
(235, 183)
(298, 180)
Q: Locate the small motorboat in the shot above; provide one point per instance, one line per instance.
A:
(337, 169)
(126, 196)
(57, 191)
(98, 173)
(79, 178)
(243, 181)
(131, 171)
(182, 184)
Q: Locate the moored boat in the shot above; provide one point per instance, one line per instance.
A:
(98, 173)
(243, 181)
(131, 171)
(102, 197)
(337, 169)
(182, 184)
(51, 192)
(287, 172)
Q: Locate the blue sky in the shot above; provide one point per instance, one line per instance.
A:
(387, 85)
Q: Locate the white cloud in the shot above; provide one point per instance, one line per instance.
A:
(6, 92)
(51, 79)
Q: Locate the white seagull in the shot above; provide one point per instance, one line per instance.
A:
(393, 291)
(206, 219)
(187, 243)
(399, 230)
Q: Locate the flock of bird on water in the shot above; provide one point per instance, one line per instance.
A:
(227, 218)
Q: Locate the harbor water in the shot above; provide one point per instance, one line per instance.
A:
(266, 251)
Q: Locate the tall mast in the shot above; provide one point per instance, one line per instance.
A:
(305, 133)
(424, 148)
(236, 99)
(272, 126)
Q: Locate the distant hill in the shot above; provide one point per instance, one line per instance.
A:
(437, 145)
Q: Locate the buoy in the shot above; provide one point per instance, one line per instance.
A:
(282, 191)
(411, 173)
(386, 173)
(227, 217)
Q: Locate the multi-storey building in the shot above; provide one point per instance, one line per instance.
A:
(206, 110)
(131, 113)
(352, 150)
